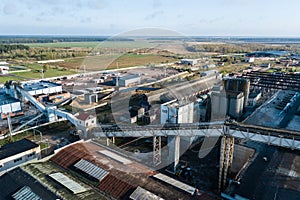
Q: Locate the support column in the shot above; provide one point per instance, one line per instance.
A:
(222, 154)
(174, 150)
(156, 150)
(177, 151)
(226, 157)
(9, 125)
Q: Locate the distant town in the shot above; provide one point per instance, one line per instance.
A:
(149, 117)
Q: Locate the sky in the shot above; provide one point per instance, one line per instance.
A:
(186, 17)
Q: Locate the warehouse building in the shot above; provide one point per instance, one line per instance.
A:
(126, 81)
(42, 87)
(17, 153)
(9, 105)
(176, 112)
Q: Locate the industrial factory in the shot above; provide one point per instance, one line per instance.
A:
(231, 98)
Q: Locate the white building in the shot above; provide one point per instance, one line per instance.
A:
(176, 112)
(129, 80)
(250, 59)
(42, 87)
(17, 153)
(8, 105)
(4, 69)
(189, 61)
(86, 120)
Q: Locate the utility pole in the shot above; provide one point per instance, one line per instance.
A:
(9, 125)
(117, 77)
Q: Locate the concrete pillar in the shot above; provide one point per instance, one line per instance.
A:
(107, 141)
(226, 157)
(174, 150)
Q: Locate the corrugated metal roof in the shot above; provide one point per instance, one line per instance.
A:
(91, 169)
(115, 187)
(142, 194)
(25, 193)
(68, 183)
(70, 155)
(175, 183)
(115, 157)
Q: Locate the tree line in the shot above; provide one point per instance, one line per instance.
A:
(6, 48)
(239, 48)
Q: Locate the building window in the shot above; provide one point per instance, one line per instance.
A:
(2, 165)
(164, 111)
(92, 121)
(30, 155)
(17, 160)
(86, 124)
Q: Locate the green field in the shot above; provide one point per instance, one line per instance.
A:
(48, 74)
(3, 79)
(35, 73)
(94, 63)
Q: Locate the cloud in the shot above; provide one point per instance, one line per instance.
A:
(156, 3)
(97, 4)
(238, 2)
(9, 8)
(154, 15)
(86, 20)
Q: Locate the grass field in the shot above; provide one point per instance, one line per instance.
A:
(35, 73)
(48, 74)
(3, 79)
(94, 63)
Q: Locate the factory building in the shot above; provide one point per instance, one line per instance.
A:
(176, 112)
(42, 87)
(86, 120)
(9, 105)
(237, 85)
(189, 61)
(46, 91)
(126, 81)
(230, 99)
(17, 153)
(227, 103)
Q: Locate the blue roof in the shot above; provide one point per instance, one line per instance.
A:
(6, 99)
